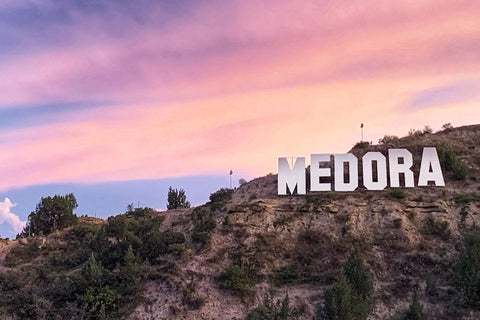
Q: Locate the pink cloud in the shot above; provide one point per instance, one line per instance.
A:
(234, 85)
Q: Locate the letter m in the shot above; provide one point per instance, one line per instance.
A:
(289, 178)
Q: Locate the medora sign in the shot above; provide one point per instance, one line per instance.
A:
(400, 162)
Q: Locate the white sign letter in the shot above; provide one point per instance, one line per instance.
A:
(430, 160)
(340, 184)
(316, 172)
(291, 178)
(367, 161)
(394, 155)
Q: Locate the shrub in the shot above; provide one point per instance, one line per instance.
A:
(100, 302)
(190, 297)
(431, 287)
(177, 199)
(286, 274)
(221, 195)
(398, 193)
(415, 310)
(235, 279)
(434, 227)
(466, 198)
(397, 223)
(467, 271)
(388, 139)
(447, 126)
(361, 145)
(450, 161)
(427, 129)
(351, 294)
(203, 223)
(270, 310)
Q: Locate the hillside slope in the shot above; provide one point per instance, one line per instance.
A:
(296, 245)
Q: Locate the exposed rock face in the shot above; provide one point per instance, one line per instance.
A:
(404, 242)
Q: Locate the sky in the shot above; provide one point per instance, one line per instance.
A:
(117, 100)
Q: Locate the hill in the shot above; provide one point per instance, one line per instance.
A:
(248, 248)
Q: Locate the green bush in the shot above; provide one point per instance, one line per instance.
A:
(270, 310)
(388, 139)
(415, 309)
(467, 271)
(466, 198)
(398, 193)
(100, 302)
(203, 223)
(222, 195)
(235, 279)
(450, 162)
(338, 301)
(286, 275)
(434, 227)
(351, 294)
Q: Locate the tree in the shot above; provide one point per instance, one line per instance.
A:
(415, 310)
(467, 273)
(360, 282)
(92, 271)
(51, 214)
(338, 300)
(177, 199)
(351, 294)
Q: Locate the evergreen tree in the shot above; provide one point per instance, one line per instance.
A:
(338, 300)
(360, 283)
(415, 310)
(351, 294)
(92, 272)
(177, 199)
(467, 275)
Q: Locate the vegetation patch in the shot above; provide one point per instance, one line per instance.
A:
(467, 271)
(88, 271)
(398, 193)
(451, 163)
(204, 222)
(350, 297)
(270, 309)
(234, 278)
(466, 198)
(434, 227)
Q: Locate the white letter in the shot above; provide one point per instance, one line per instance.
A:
(430, 159)
(340, 184)
(367, 160)
(396, 168)
(316, 172)
(291, 178)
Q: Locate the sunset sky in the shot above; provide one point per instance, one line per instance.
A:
(117, 100)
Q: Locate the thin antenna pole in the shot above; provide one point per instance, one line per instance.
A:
(361, 129)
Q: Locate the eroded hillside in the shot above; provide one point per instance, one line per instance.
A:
(250, 242)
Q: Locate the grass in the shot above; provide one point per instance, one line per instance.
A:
(398, 193)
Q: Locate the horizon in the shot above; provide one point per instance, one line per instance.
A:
(117, 99)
